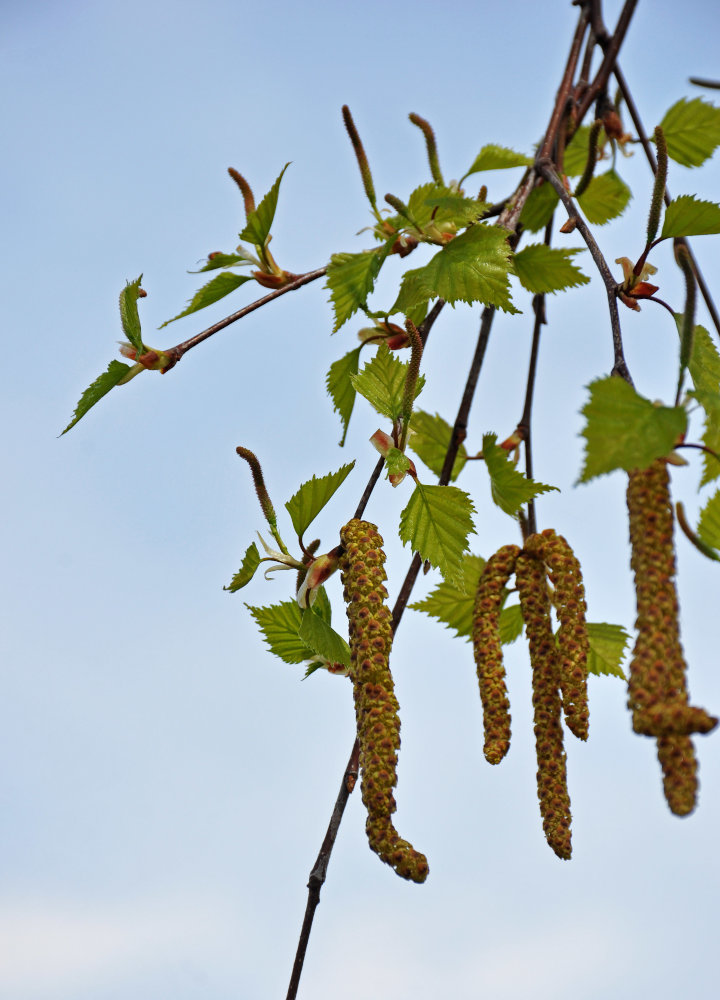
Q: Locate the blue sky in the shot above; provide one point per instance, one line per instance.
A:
(166, 782)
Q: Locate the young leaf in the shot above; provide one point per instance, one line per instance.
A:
(688, 216)
(322, 639)
(510, 624)
(340, 387)
(217, 288)
(251, 561)
(692, 131)
(259, 222)
(436, 523)
(704, 366)
(429, 439)
(280, 625)
(312, 496)
(396, 462)
(624, 430)
(382, 382)
(492, 157)
(606, 197)
(222, 260)
(538, 209)
(129, 314)
(607, 648)
(509, 487)
(473, 267)
(709, 524)
(350, 279)
(452, 603)
(545, 269)
(576, 152)
(99, 388)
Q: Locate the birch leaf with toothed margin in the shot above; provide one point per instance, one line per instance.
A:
(323, 639)
(429, 438)
(340, 388)
(129, 316)
(217, 288)
(509, 487)
(538, 209)
(259, 222)
(709, 523)
(605, 198)
(607, 649)
(305, 505)
(280, 625)
(689, 216)
(543, 269)
(382, 383)
(100, 387)
(250, 563)
(436, 523)
(493, 157)
(351, 279)
(692, 131)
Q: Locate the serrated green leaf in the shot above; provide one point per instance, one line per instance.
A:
(472, 267)
(606, 197)
(351, 278)
(539, 207)
(452, 603)
(704, 366)
(340, 387)
(396, 462)
(305, 505)
(216, 289)
(624, 430)
(492, 157)
(692, 131)
(436, 523)
(322, 605)
(251, 561)
(709, 523)
(129, 316)
(100, 387)
(430, 438)
(280, 626)
(689, 216)
(434, 204)
(258, 223)
(322, 639)
(607, 648)
(222, 260)
(541, 269)
(509, 487)
(382, 383)
(510, 625)
(576, 152)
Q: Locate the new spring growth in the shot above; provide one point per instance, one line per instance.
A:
(402, 209)
(318, 572)
(247, 194)
(431, 144)
(149, 360)
(383, 443)
(416, 350)
(589, 170)
(262, 493)
(656, 204)
(687, 331)
(361, 159)
(635, 286)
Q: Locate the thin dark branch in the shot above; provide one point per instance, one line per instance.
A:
(700, 82)
(610, 48)
(525, 425)
(565, 89)
(369, 488)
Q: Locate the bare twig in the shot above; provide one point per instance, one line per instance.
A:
(565, 89)
(610, 47)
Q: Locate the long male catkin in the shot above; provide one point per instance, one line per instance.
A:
(376, 707)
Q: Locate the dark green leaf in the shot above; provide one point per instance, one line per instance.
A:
(709, 524)
(99, 388)
(312, 496)
(258, 223)
(251, 561)
(452, 603)
(129, 314)
(606, 197)
(509, 487)
(217, 288)
(692, 131)
(280, 626)
(607, 648)
(382, 383)
(436, 523)
(576, 153)
(492, 157)
(429, 438)
(688, 216)
(322, 639)
(538, 209)
(340, 387)
(350, 280)
(541, 268)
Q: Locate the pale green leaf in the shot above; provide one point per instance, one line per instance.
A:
(689, 216)
(576, 153)
(539, 207)
(251, 561)
(350, 280)
(280, 626)
(509, 487)
(217, 288)
(433, 203)
(258, 223)
(510, 625)
(429, 438)
(541, 268)
(222, 260)
(436, 523)
(452, 602)
(382, 383)
(492, 157)
(340, 387)
(626, 431)
(704, 365)
(606, 197)
(322, 639)
(607, 648)
(100, 387)
(129, 316)
(709, 524)
(312, 496)
(396, 462)
(692, 131)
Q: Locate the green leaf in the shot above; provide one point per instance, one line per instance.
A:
(511, 624)
(692, 131)
(259, 222)
(509, 487)
(222, 260)
(436, 523)
(606, 197)
(492, 157)
(322, 639)
(709, 524)
(544, 269)
(382, 383)
(251, 561)
(538, 209)
(217, 288)
(433, 203)
(607, 648)
(129, 314)
(351, 278)
(688, 216)
(280, 625)
(312, 496)
(576, 153)
(624, 430)
(452, 602)
(100, 387)
(429, 438)
(396, 462)
(340, 387)
(473, 267)
(704, 366)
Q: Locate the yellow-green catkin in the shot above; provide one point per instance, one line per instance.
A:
(657, 689)
(572, 638)
(488, 651)
(551, 759)
(376, 707)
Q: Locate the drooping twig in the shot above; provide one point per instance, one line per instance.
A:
(611, 47)
(525, 425)
(565, 89)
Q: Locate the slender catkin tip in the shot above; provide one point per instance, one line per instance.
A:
(658, 194)
(360, 155)
(260, 488)
(248, 196)
(431, 145)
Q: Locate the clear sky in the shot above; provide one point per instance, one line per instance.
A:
(165, 782)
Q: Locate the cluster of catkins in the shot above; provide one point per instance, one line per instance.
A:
(376, 707)
(658, 696)
(559, 671)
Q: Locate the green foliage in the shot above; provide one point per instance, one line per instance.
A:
(340, 387)
(217, 288)
(382, 382)
(688, 216)
(607, 649)
(510, 488)
(626, 431)
(434, 204)
(312, 496)
(258, 223)
(250, 563)
(606, 197)
(280, 625)
(545, 269)
(129, 316)
(436, 523)
(692, 131)
(511, 624)
(323, 640)
(451, 602)
(351, 278)
(429, 439)
(704, 366)
(396, 462)
(539, 207)
(222, 260)
(492, 157)
(576, 153)
(709, 524)
(115, 373)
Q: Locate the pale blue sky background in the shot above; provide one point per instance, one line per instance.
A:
(165, 782)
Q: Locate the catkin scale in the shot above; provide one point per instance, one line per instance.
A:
(376, 707)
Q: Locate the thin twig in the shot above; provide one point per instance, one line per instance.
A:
(610, 48)
(525, 425)
(565, 88)
(369, 488)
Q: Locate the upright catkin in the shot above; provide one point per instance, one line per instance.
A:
(376, 707)
(488, 651)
